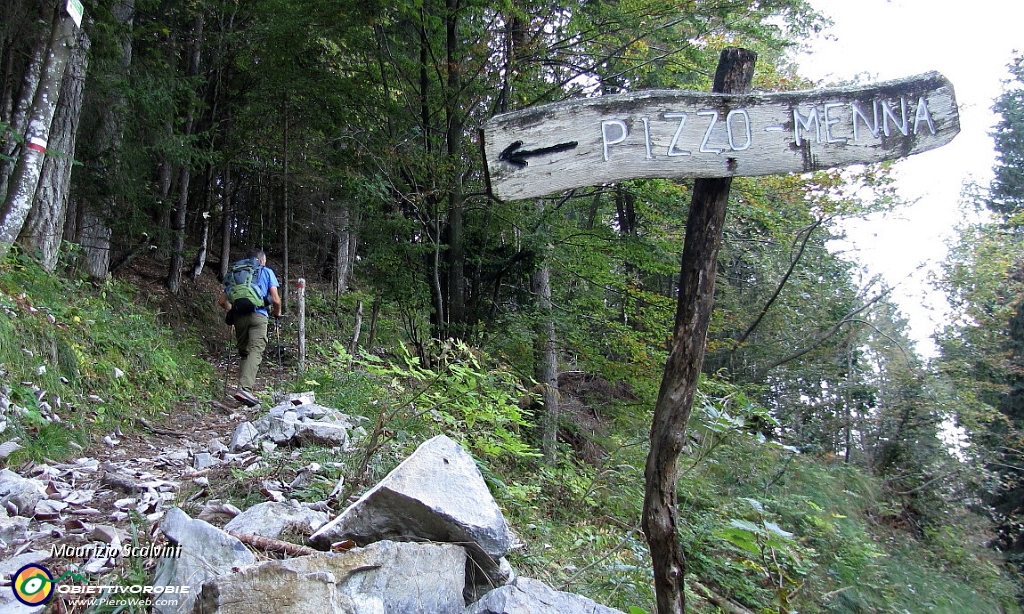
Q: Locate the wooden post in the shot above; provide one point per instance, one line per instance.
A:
(682, 370)
(356, 330)
(300, 285)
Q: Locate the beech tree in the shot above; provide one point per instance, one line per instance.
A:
(40, 100)
(44, 227)
(24, 32)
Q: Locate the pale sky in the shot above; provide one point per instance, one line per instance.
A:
(971, 43)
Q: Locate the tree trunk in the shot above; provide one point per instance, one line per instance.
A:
(204, 248)
(340, 256)
(94, 237)
(374, 313)
(456, 256)
(345, 248)
(357, 330)
(109, 138)
(25, 178)
(19, 108)
(180, 217)
(353, 245)
(682, 370)
(178, 222)
(286, 217)
(165, 181)
(204, 232)
(227, 215)
(44, 228)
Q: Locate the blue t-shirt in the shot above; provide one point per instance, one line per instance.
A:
(265, 280)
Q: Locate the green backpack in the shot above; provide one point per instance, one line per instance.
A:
(240, 285)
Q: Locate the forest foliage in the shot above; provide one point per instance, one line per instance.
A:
(342, 137)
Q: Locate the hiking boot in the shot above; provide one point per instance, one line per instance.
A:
(246, 398)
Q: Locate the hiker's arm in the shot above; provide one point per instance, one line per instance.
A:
(223, 301)
(275, 302)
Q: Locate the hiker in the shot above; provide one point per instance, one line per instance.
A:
(249, 288)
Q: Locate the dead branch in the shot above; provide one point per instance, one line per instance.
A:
(782, 284)
(268, 544)
(115, 480)
(159, 430)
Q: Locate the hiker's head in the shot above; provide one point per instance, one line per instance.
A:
(258, 254)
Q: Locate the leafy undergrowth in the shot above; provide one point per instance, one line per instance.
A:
(762, 527)
(765, 529)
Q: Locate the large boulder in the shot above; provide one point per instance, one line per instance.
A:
(318, 433)
(244, 437)
(528, 596)
(383, 578)
(206, 552)
(437, 494)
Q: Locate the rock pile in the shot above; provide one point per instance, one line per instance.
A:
(298, 420)
(429, 538)
(79, 516)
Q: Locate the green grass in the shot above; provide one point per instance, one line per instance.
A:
(80, 359)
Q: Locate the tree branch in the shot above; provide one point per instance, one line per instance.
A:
(782, 284)
(822, 338)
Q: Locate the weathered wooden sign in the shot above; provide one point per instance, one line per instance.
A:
(678, 133)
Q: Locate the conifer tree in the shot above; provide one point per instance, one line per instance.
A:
(983, 353)
(1006, 195)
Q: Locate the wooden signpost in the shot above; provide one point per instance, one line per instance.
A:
(661, 133)
(712, 137)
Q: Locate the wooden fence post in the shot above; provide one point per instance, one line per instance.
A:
(301, 302)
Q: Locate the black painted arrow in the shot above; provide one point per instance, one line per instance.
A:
(517, 158)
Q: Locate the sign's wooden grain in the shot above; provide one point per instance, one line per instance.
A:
(676, 133)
